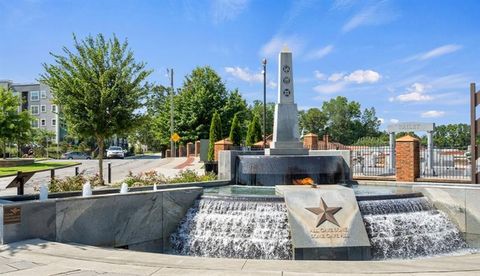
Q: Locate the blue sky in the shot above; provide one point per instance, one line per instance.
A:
(411, 60)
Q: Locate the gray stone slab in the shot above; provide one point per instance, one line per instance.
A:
(326, 217)
(139, 218)
(472, 207)
(87, 220)
(37, 221)
(286, 151)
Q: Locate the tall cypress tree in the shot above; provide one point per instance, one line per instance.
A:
(215, 135)
(235, 131)
(254, 132)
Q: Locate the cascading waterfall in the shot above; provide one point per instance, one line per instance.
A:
(408, 228)
(239, 228)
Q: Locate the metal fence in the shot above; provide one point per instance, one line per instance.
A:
(446, 163)
(372, 161)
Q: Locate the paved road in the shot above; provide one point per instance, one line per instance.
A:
(120, 169)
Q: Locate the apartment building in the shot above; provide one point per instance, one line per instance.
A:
(37, 99)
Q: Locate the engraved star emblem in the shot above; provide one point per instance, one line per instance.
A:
(325, 213)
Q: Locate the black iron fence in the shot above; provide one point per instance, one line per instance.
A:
(445, 163)
(372, 161)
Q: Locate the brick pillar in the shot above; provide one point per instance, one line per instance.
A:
(168, 153)
(222, 145)
(181, 151)
(190, 149)
(407, 158)
(197, 148)
(310, 141)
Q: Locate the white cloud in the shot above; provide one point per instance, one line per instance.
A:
(357, 76)
(377, 14)
(277, 43)
(436, 52)
(416, 93)
(246, 75)
(225, 10)
(330, 88)
(432, 114)
(336, 77)
(394, 121)
(319, 75)
(342, 4)
(381, 120)
(320, 53)
(362, 76)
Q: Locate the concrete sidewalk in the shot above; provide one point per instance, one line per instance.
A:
(38, 257)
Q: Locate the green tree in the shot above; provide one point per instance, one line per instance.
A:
(345, 121)
(14, 126)
(372, 141)
(254, 133)
(257, 110)
(236, 132)
(203, 91)
(452, 135)
(215, 135)
(100, 88)
(237, 106)
(312, 121)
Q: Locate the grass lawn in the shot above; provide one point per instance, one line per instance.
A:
(9, 171)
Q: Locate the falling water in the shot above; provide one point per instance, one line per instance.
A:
(240, 228)
(408, 228)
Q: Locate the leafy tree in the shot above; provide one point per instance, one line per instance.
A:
(14, 126)
(254, 133)
(203, 91)
(235, 106)
(215, 135)
(452, 135)
(100, 87)
(257, 110)
(345, 122)
(236, 131)
(312, 121)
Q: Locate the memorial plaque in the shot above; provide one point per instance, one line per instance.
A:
(12, 215)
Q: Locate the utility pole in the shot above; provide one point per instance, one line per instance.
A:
(172, 143)
(264, 62)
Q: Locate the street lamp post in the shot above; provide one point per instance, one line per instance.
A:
(172, 143)
(264, 62)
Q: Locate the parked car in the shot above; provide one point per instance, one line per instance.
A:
(76, 155)
(115, 152)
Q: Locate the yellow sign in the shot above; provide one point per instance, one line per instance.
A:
(175, 137)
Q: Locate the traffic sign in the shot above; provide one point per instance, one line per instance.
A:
(175, 137)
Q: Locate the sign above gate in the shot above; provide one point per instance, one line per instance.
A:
(411, 126)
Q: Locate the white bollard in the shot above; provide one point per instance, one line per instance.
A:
(124, 188)
(87, 189)
(155, 186)
(43, 192)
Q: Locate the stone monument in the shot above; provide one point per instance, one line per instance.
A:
(325, 223)
(286, 139)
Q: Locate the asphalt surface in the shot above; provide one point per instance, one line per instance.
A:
(120, 169)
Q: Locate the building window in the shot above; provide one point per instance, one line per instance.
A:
(35, 123)
(54, 108)
(43, 94)
(34, 95)
(43, 108)
(34, 109)
(43, 122)
(54, 122)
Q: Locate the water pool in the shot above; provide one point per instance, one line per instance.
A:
(360, 190)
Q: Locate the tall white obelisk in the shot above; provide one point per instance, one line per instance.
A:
(286, 139)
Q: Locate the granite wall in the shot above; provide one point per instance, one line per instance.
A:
(136, 220)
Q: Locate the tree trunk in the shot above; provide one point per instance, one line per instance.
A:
(100, 142)
(4, 150)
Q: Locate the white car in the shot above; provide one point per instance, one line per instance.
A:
(115, 152)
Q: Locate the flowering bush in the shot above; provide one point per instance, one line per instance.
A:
(72, 183)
